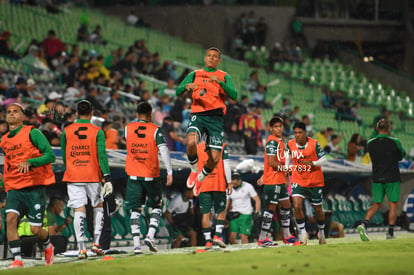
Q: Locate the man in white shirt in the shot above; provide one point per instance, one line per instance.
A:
(240, 206)
(180, 215)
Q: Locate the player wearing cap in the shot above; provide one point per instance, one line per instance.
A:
(208, 87)
(84, 155)
(307, 179)
(385, 153)
(274, 182)
(27, 170)
(239, 207)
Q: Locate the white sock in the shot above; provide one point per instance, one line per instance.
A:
(135, 228)
(154, 222)
(266, 224)
(194, 168)
(79, 225)
(285, 222)
(321, 230)
(98, 216)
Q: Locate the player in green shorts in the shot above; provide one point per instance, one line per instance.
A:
(208, 88)
(385, 153)
(27, 170)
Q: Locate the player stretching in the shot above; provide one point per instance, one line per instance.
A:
(274, 181)
(307, 179)
(144, 139)
(209, 87)
(84, 154)
(27, 169)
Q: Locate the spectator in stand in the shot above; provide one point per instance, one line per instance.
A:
(258, 98)
(251, 29)
(322, 138)
(253, 81)
(261, 29)
(286, 109)
(232, 116)
(237, 47)
(295, 53)
(276, 55)
(4, 127)
(132, 18)
(91, 97)
(111, 60)
(354, 113)
(169, 89)
(52, 6)
(176, 112)
(83, 33)
(96, 36)
(15, 98)
(135, 21)
(5, 46)
(33, 58)
(164, 73)
(354, 147)
(126, 66)
(241, 27)
(250, 126)
(327, 100)
(295, 117)
(154, 98)
(20, 86)
(309, 130)
(113, 103)
(334, 144)
(298, 32)
(171, 137)
(72, 92)
(52, 46)
(344, 111)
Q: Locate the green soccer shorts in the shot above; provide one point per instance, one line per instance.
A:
(274, 193)
(315, 194)
(138, 190)
(214, 198)
(211, 126)
(28, 201)
(242, 225)
(391, 189)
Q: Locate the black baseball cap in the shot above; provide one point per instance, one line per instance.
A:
(235, 175)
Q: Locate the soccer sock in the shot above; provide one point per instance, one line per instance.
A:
(321, 226)
(391, 229)
(207, 233)
(154, 221)
(46, 243)
(301, 225)
(365, 223)
(193, 162)
(15, 249)
(285, 221)
(266, 224)
(219, 228)
(98, 215)
(204, 173)
(135, 228)
(79, 225)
